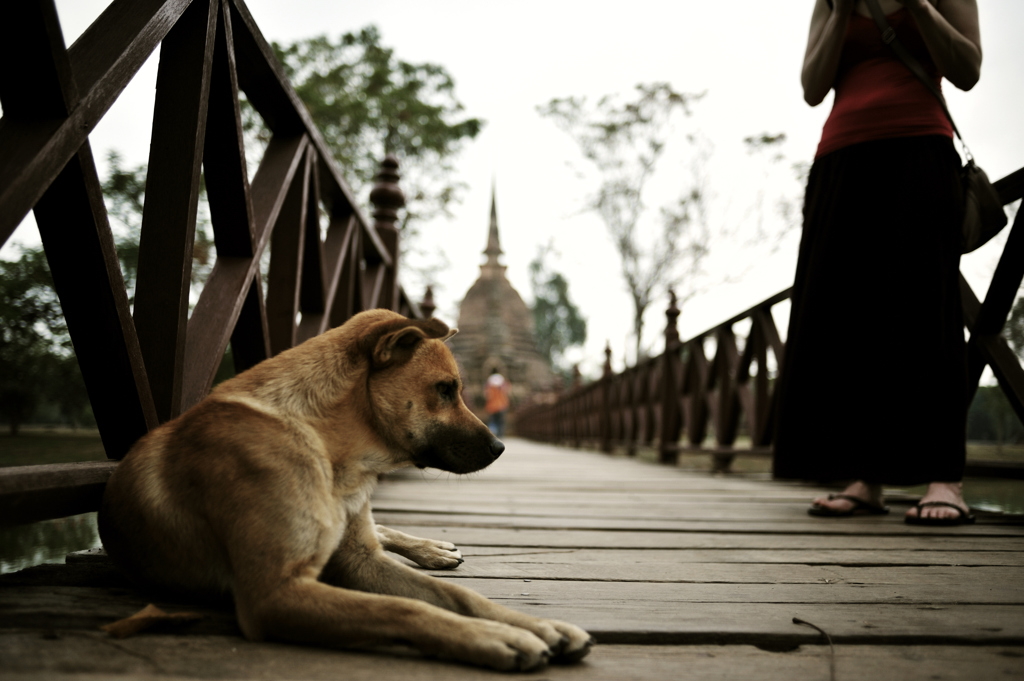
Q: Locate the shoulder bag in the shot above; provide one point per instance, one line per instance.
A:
(983, 210)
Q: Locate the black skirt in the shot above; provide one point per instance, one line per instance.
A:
(873, 383)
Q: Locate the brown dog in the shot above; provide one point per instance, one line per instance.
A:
(262, 490)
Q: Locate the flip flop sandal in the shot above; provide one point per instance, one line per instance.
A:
(965, 517)
(860, 507)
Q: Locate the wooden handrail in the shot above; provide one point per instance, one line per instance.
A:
(679, 393)
(145, 365)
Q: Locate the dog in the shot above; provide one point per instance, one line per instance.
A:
(262, 492)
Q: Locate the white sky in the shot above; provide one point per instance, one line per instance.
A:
(507, 59)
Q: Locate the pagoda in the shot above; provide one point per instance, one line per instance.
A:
(496, 332)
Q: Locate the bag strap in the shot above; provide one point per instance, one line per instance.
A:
(889, 38)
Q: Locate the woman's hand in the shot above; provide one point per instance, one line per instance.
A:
(952, 36)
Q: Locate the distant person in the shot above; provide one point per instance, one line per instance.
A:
(496, 393)
(873, 385)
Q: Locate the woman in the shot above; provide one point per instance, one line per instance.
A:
(873, 384)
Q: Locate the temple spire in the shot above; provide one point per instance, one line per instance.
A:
(493, 250)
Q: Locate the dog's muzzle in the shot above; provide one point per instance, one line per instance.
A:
(458, 450)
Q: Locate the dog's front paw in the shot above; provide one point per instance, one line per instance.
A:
(501, 646)
(436, 555)
(429, 553)
(576, 643)
(567, 642)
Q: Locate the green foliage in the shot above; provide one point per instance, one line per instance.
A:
(1013, 330)
(765, 141)
(625, 142)
(992, 419)
(558, 324)
(124, 192)
(766, 149)
(367, 103)
(29, 309)
(37, 363)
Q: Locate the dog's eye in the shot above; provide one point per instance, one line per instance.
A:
(447, 390)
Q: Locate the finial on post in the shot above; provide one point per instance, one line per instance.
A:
(672, 319)
(427, 307)
(386, 196)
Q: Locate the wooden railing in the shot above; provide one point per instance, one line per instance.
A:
(145, 366)
(668, 402)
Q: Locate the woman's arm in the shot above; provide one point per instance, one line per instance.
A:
(824, 46)
(952, 36)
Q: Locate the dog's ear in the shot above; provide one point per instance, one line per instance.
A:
(393, 341)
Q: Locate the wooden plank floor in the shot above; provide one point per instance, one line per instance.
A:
(679, 575)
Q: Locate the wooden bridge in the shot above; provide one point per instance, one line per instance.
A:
(679, 575)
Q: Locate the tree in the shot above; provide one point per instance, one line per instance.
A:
(124, 192)
(37, 362)
(625, 142)
(1013, 330)
(990, 417)
(64, 388)
(558, 324)
(768, 148)
(367, 103)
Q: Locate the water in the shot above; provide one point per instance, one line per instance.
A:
(48, 541)
(988, 494)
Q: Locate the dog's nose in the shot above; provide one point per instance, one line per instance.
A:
(497, 447)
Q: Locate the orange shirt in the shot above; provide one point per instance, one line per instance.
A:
(496, 393)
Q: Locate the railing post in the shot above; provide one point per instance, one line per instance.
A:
(387, 197)
(605, 425)
(759, 418)
(668, 447)
(576, 410)
(631, 408)
(726, 416)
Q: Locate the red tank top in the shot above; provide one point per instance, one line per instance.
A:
(877, 97)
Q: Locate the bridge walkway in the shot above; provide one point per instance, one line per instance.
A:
(678, 575)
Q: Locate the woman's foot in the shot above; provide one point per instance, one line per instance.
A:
(869, 494)
(949, 492)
